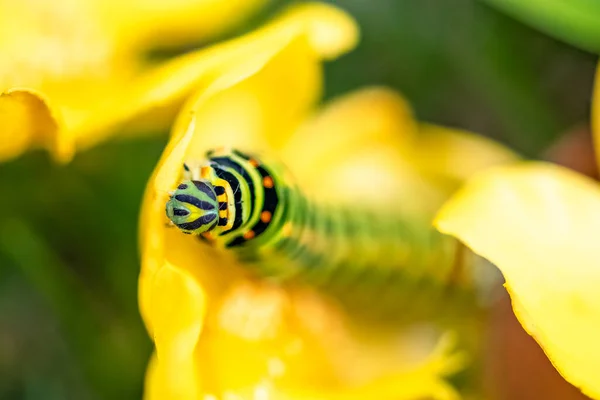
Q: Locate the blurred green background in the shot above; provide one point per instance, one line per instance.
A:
(69, 323)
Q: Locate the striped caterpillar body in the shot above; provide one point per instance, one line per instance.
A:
(252, 208)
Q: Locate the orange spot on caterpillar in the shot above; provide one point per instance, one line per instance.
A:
(204, 172)
(249, 235)
(253, 162)
(268, 182)
(265, 216)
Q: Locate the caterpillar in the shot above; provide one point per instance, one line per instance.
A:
(252, 208)
(238, 203)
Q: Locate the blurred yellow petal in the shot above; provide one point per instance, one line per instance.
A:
(538, 223)
(365, 118)
(95, 108)
(425, 380)
(155, 99)
(177, 328)
(82, 55)
(27, 121)
(171, 379)
(285, 67)
(331, 32)
(292, 344)
(456, 155)
(365, 137)
(182, 22)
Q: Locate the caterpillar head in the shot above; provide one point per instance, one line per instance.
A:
(193, 207)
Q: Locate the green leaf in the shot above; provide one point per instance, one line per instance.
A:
(574, 21)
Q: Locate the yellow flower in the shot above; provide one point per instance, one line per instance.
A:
(80, 55)
(218, 332)
(538, 223)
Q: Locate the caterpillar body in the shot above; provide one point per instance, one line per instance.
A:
(253, 209)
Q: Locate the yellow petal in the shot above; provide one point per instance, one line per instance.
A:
(456, 155)
(360, 143)
(366, 117)
(171, 379)
(538, 223)
(28, 122)
(262, 120)
(65, 51)
(176, 328)
(110, 90)
(423, 382)
(331, 32)
(65, 44)
(179, 22)
(157, 97)
(293, 345)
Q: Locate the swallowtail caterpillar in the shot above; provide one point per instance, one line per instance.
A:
(240, 204)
